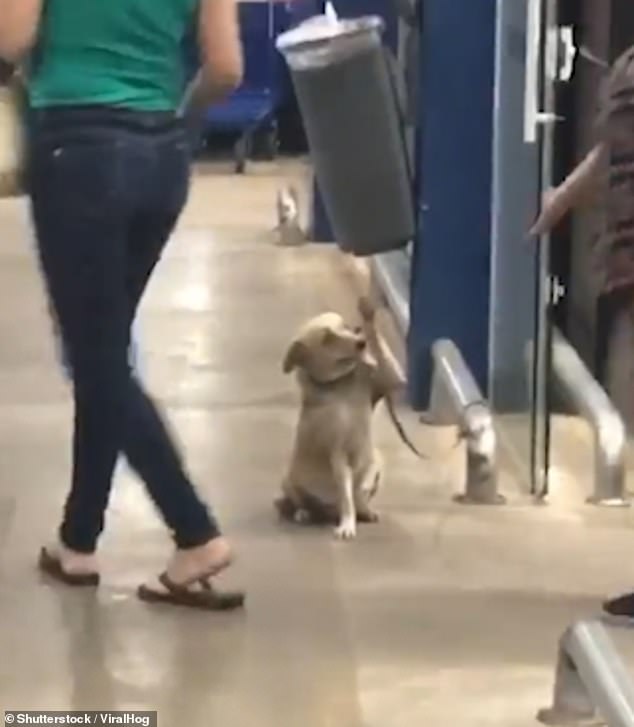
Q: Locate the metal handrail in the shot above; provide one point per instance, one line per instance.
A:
(594, 405)
(395, 294)
(591, 679)
(456, 399)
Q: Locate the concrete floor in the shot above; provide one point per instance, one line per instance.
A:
(440, 615)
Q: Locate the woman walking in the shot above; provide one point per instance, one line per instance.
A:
(108, 179)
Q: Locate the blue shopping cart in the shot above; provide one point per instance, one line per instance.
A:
(252, 109)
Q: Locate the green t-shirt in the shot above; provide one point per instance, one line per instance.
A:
(126, 53)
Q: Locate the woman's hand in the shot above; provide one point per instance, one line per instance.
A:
(573, 191)
(554, 207)
(19, 27)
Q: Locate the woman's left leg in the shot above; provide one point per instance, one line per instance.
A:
(80, 215)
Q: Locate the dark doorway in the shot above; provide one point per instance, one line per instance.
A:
(600, 329)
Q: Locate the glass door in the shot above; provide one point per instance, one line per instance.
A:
(530, 60)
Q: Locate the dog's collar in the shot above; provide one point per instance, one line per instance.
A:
(331, 383)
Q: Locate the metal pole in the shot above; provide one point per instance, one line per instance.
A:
(591, 680)
(456, 398)
(594, 405)
(391, 274)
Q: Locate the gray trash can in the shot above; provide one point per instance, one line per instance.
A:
(348, 99)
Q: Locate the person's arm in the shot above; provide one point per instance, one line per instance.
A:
(221, 50)
(18, 27)
(221, 55)
(574, 190)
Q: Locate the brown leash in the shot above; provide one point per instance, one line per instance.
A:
(368, 314)
(463, 433)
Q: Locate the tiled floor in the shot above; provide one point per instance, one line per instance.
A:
(439, 615)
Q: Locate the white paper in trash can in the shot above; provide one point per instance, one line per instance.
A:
(326, 39)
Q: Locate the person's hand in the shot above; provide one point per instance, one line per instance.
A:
(573, 191)
(553, 208)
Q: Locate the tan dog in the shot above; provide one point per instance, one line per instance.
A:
(335, 469)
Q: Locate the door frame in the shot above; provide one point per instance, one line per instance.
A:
(543, 127)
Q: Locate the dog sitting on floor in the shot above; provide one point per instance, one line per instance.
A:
(335, 469)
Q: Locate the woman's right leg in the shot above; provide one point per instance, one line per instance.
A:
(147, 444)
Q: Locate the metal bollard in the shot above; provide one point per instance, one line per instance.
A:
(456, 398)
(289, 229)
(592, 685)
(610, 436)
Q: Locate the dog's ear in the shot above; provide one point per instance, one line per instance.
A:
(294, 356)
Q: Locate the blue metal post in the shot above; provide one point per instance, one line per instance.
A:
(450, 269)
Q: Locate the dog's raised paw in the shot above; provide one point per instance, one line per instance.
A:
(366, 308)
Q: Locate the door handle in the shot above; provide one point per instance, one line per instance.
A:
(543, 118)
(531, 75)
(567, 53)
(559, 56)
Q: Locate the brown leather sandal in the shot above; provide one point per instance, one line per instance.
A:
(205, 598)
(52, 566)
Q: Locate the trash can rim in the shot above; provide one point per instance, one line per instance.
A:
(320, 29)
